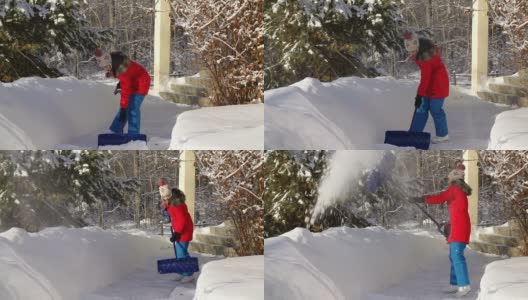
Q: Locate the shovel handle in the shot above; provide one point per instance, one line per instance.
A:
(412, 120)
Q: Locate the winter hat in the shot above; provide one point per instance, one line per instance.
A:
(458, 173)
(164, 189)
(410, 40)
(103, 58)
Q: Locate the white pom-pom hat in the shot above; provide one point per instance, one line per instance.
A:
(410, 40)
(458, 172)
(164, 189)
(103, 58)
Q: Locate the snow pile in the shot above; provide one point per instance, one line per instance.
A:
(66, 113)
(370, 264)
(343, 263)
(38, 113)
(60, 263)
(240, 278)
(510, 131)
(228, 127)
(354, 113)
(505, 280)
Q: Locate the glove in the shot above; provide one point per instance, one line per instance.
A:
(123, 115)
(417, 101)
(175, 237)
(117, 88)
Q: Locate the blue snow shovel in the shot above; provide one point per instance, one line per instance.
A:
(115, 139)
(418, 140)
(178, 265)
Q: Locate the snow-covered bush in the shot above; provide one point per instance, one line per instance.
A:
(510, 16)
(238, 179)
(509, 169)
(229, 38)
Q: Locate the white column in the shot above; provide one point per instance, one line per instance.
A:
(187, 178)
(162, 42)
(479, 45)
(472, 178)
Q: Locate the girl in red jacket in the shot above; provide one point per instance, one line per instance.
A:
(134, 82)
(433, 88)
(457, 201)
(181, 221)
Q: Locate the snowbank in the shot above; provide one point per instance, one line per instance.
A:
(240, 278)
(60, 263)
(510, 131)
(343, 263)
(38, 113)
(228, 127)
(505, 280)
(66, 113)
(354, 113)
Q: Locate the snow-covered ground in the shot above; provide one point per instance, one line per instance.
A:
(94, 264)
(505, 280)
(354, 113)
(239, 278)
(371, 263)
(238, 127)
(66, 113)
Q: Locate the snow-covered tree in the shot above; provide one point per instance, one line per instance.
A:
(327, 39)
(292, 181)
(46, 188)
(31, 30)
(238, 179)
(8, 202)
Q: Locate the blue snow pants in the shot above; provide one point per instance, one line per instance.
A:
(459, 271)
(133, 116)
(182, 252)
(437, 112)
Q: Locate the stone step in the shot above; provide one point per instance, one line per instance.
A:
(523, 74)
(223, 231)
(509, 89)
(204, 74)
(187, 89)
(184, 99)
(507, 231)
(498, 239)
(494, 249)
(198, 81)
(215, 239)
(505, 99)
(217, 250)
(513, 80)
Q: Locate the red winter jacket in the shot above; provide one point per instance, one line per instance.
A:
(458, 212)
(181, 222)
(135, 80)
(434, 81)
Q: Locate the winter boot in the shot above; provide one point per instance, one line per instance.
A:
(178, 277)
(463, 291)
(450, 290)
(439, 139)
(187, 279)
